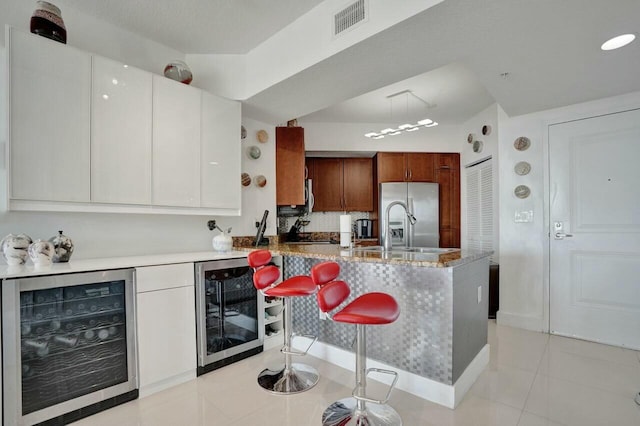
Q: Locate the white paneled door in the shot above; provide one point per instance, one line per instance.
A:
(595, 229)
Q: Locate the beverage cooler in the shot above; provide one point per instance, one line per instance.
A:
(68, 345)
(229, 325)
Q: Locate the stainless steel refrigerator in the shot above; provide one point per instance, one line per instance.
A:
(421, 200)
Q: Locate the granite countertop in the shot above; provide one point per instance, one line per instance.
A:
(360, 254)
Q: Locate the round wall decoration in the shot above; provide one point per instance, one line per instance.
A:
(477, 146)
(245, 179)
(261, 181)
(243, 132)
(522, 143)
(522, 168)
(486, 130)
(262, 136)
(254, 152)
(522, 191)
(470, 137)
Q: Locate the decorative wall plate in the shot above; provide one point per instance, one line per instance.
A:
(245, 179)
(243, 132)
(254, 152)
(522, 191)
(261, 181)
(522, 168)
(486, 130)
(470, 137)
(522, 143)
(477, 146)
(262, 136)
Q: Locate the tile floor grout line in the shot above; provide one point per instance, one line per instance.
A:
(535, 376)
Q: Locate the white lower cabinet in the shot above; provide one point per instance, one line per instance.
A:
(166, 326)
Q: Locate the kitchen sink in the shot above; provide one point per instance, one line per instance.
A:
(425, 250)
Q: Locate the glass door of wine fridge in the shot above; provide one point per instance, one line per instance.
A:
(69, 344)
(229, 326)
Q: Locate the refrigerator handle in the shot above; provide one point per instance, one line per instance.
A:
(409, 226)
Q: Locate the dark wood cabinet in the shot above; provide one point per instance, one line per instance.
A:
(290, 167)
(448, 177)
(405, 167)
(342, 184)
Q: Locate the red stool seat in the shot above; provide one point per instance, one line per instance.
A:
(370, 308)
(301, 285)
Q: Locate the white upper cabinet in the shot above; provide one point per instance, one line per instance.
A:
(120, 133)
(89, 134)
(221, 153)
(176, 144)
(49, 126)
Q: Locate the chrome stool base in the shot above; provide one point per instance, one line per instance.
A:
(299, 378)
(345, 413)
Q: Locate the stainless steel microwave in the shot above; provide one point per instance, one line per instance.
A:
(303, 209)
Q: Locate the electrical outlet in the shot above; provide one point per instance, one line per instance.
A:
(479, 293)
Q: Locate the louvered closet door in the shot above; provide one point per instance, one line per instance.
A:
(480, 206)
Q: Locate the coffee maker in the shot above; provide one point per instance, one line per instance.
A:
(364, 228)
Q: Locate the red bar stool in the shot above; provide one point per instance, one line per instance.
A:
(289, 378)
(368, 309)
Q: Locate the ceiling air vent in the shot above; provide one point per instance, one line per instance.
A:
(349, 16)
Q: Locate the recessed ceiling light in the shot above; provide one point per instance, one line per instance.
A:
(618, 42)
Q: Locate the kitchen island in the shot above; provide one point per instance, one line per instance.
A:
(439, 343)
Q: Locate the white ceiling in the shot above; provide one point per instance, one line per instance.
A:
(452, 54)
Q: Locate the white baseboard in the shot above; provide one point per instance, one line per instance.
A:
(151, 388)
(527, 322)
(431, 390)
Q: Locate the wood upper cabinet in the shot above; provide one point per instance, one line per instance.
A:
(290, 166)
(448, 176)
(358, 184)
(405, 167)
(342, 184)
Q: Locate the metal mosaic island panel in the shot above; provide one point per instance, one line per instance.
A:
(420, 341)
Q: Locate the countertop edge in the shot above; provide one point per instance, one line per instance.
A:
(101, 264)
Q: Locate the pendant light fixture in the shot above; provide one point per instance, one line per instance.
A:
(406, 127)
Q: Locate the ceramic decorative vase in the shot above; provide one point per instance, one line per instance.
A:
(41, 252)
(222, 243)
(178, 71)
(47, 22)
(14, 248)
(63, 247)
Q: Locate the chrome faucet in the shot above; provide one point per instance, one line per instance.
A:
(387, 228)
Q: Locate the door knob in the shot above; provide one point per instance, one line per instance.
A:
(562, 236)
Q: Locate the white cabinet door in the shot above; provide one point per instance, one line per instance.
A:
(166, 326)
(49, 134)
(221, 151)
(176, 144)
(120, 133)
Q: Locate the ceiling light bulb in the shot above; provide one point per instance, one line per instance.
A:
(425, 122)
(370, 135)
(405, 126)
(387, 130)
(618, 42)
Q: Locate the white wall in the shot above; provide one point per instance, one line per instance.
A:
(490, 116)
(350, 137)
(96, 36)
(524, 269)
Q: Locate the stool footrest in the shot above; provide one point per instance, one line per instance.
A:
(377, 401)
(286, 351)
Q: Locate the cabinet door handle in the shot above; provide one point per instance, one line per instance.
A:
(410, 174)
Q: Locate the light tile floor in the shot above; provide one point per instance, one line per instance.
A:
(533, 379)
